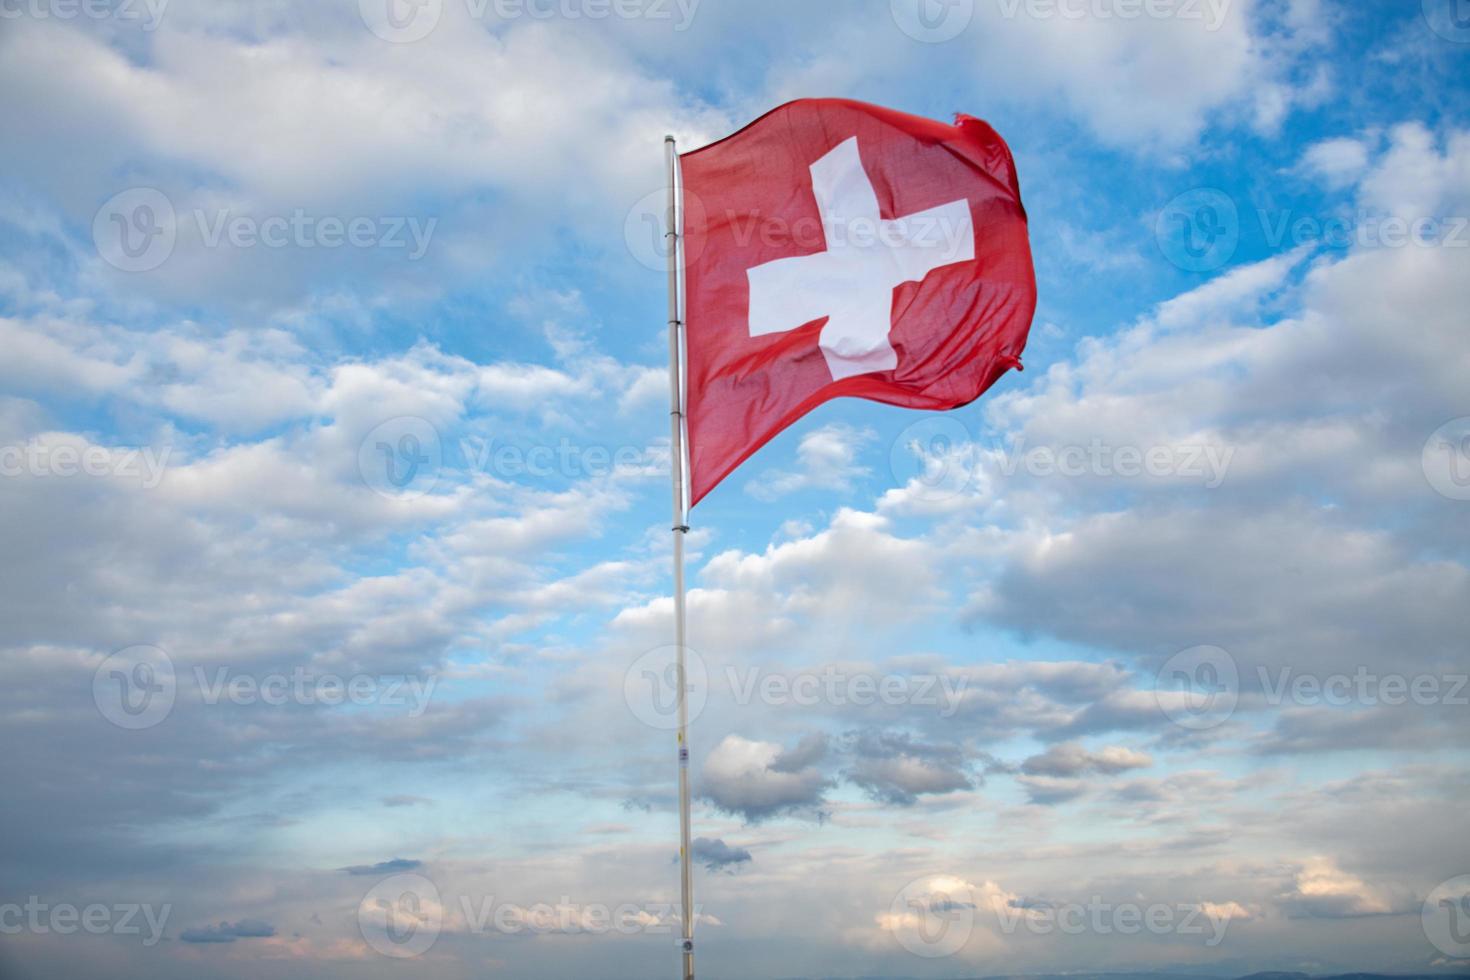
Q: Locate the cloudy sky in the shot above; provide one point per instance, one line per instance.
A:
(333, 431)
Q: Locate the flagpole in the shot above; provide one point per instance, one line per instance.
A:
(672, 240)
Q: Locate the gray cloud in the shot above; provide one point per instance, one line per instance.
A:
(716, 855)
(228, 932)
(808, 752)
(384, 867)
(1052, 790)
(742, 777)
(895, 768)
(1072, 759)
(1383, 727)
(405, 799)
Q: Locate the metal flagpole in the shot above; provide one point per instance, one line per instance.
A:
(672, 239)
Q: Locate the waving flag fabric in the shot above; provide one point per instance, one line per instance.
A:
(836, 248)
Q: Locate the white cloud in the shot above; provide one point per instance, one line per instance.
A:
(1073, 759)
(1338, 162)
(347, 126)
(753, 779)
(827, 459)
(1167, 75)
(1321, 889)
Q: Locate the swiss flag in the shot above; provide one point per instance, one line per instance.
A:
(836, 248)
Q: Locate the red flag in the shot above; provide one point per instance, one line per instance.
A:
(836, 248)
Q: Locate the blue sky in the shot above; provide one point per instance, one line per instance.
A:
(244, 246)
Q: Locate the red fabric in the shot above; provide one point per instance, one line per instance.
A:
(955, 333)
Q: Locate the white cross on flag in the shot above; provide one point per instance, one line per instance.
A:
(836, 248)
